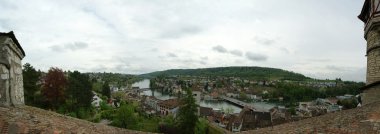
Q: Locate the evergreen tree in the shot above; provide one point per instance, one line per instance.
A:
(201, 126)
(106, 90)
(30, 79)
(79, 91)
(187, 114)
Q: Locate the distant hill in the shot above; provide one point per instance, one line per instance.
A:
(258, 73)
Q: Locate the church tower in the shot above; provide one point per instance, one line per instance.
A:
(370, 15)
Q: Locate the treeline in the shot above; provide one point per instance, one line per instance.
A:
(117, 79)
(294, 93)
(68, 92)
(256, 73)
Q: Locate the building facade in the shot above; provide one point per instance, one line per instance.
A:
(11, 81)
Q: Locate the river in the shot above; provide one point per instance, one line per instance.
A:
(216, 105)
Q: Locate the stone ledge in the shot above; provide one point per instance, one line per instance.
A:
(26, 119)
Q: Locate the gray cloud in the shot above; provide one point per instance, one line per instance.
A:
(334, 68)
(236, 52)
(222, 49)
(71, 46)
(285, 50)
(178, 32)
(154, 49)
(219, 49)
(264, 41)
(204, 58)
(203, 62)
(319, 60)
(256, 57)
(172, 55)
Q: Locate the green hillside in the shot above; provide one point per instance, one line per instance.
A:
(258, 73)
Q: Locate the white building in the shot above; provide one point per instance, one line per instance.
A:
(96, 100)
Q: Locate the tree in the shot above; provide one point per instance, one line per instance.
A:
(106, 91)
(187, 114)
(348, 103)
(125, 117)
(201, 126)
(54, 87)
(30, 78)
(229, 110)
(79, 91)
(243, 96)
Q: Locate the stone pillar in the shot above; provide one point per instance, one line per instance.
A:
(11, 82)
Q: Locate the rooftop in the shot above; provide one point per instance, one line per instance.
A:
(365, 119)
(170, 103)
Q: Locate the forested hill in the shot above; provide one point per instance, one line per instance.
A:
(258, 73)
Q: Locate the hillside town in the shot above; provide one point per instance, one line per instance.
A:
(238, 92)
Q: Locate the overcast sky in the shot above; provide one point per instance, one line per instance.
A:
(318, 38)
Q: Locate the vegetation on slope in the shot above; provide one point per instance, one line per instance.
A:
(258, 73)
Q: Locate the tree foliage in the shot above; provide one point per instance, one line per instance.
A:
(187, 114)
(295, 93)
(106, 90)
(348, 103)
(259, 73)
(54, 87)
(125, 117)
(201, 127)
(31, 87)
(79, 91)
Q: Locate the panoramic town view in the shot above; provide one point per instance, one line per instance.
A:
(189, 67)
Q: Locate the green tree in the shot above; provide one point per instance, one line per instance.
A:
(169, 121)
(106, 91)
(30, 79)
(348, 103)
(79, 92)
(187, 114)
(125, 117)
(201, 126)
(243, 96)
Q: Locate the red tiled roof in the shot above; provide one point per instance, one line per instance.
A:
(170, 103)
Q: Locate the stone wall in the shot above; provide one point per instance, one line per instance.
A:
(371, 95)
(11, 81)
(373, 57)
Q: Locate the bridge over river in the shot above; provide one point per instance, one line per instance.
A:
(258, 107)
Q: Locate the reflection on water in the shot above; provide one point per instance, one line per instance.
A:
(158, 95)
(142, 84)
(218, 105)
